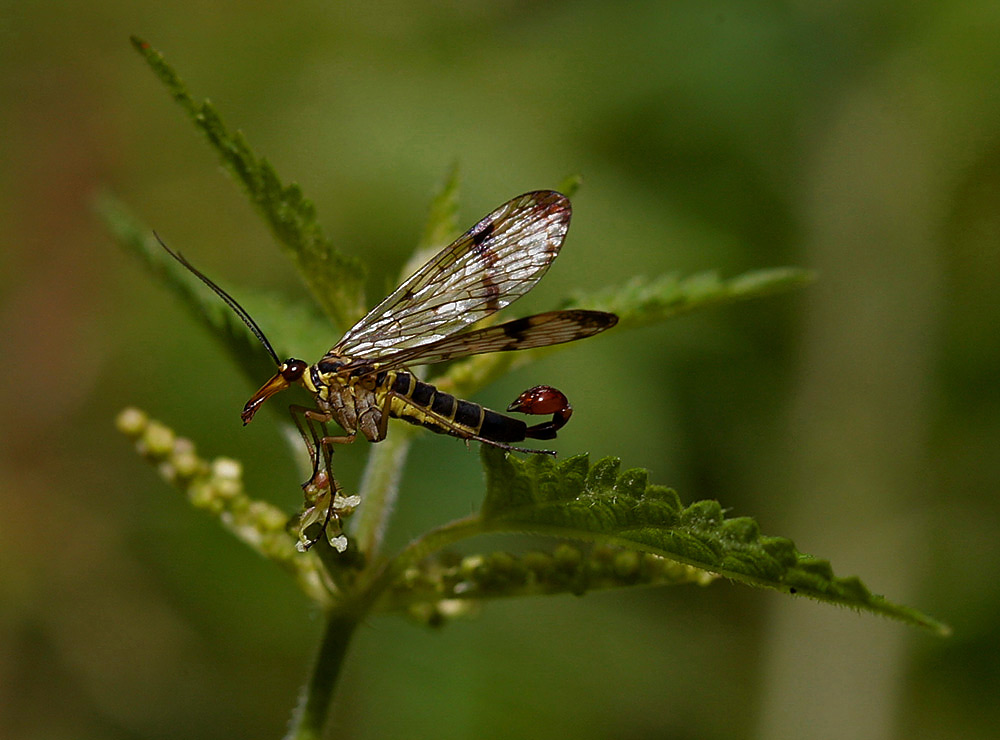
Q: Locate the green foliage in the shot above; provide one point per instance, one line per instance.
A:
(449, 585)
(639, 302)
(641, 535)
(602, 503)
(622, 513)
(295, 323)
(644, 301)
(336, 280)
(634, 533)
(216, 486)
(442, 218)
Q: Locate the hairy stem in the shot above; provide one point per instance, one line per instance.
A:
(379, 489)
(317, 695)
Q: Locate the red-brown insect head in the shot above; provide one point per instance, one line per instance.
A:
(289, 372)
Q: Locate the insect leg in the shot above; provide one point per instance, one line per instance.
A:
(305, 420)
(383, 423)
(311, 424)
(338, 439)
(512, 448)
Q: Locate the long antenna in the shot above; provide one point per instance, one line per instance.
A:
(229, 300)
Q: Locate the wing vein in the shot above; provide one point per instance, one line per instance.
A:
(489, 267)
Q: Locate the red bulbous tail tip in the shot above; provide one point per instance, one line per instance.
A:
(543, 399)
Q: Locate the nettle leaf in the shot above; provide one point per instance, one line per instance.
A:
(644, 301)
(335, 279)
(570, 184)
(449, 585)
(441, 226)
(640, 302)
(601, 503)
(300, 328)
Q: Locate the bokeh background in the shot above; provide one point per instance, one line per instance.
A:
(860, 417)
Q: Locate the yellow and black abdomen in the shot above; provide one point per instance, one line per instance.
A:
(422, 404)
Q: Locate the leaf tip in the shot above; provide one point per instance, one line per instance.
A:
(570, 184)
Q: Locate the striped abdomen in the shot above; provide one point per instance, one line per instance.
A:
(424, 405)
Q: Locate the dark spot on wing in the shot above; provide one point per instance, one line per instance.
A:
(601, 320)
(482, 231)
(516, 329)
(492, 293)
(592, 322)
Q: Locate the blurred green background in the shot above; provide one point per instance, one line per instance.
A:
(860, 417)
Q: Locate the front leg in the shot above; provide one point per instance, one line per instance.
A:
(321, 489)
(339, 439)
(383, 422)
(311, 424)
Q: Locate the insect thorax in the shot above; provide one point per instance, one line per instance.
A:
(353, 400)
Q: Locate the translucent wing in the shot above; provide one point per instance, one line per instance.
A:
(540, 330)
(494, 263)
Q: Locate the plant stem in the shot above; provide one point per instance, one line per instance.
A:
(379, 489)
(317, 696)
(420, 548)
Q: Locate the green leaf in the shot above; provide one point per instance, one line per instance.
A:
(299, 327)
(450, 585)
(644, 301)
(216, 487)
(639, 302)
(570, 184)
(336, 280)
(600, 503)
(441, 226)
(442, 217)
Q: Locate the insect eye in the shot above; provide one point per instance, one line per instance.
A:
(292, 370)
